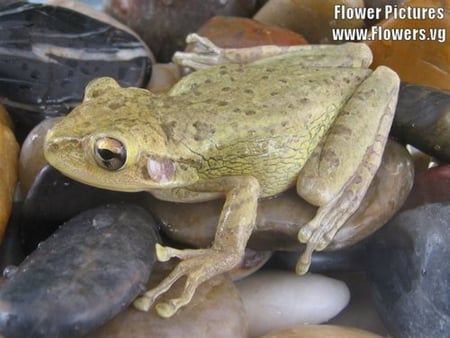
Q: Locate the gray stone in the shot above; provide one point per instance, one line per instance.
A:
(408, 267)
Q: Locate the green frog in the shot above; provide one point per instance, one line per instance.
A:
(250, 124)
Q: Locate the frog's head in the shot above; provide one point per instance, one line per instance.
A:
(113, 140)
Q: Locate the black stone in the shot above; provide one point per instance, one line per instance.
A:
(352, 258)
(11, 251)
(422, 119)
(409, 269)
(48, 54)
(87, 272)
(54, 198)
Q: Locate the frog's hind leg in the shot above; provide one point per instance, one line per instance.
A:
(339, 172)
(205, 54)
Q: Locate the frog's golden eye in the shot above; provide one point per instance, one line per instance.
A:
(110, 153)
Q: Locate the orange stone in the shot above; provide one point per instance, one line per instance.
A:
(312, 18)
(234, 32)
(415, 61)
(321, 331)
(9, 155)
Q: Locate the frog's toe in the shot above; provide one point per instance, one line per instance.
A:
(169, 308)
(304, 261)
(142, 303)
(304, 234)
(202, 44)
(164, 253)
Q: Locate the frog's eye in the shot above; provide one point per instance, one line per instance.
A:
(110, 153)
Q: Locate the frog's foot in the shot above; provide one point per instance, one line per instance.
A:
(320, 231)
(196, 265)
(204, 53)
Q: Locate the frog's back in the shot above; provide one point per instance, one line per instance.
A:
(262, 120)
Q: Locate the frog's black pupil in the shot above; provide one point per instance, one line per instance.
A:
(106, 154)
(110, 153)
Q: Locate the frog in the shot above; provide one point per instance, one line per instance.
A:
(247, 124)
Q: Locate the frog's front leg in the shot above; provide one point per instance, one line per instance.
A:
(236, 223)
(339, 172)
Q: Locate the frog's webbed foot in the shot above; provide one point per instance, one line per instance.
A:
(204, 53)
(197, 265)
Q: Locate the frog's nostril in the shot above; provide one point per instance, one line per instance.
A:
(110, 153)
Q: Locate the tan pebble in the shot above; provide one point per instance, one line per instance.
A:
(321, 331)
(32, 154)
(164, 76)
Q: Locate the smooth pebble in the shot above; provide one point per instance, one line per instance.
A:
(279, 299)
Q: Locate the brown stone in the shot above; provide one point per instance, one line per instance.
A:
(279, 218)
(235, 32)
(215, 311)
(9, 153)
(321, 331)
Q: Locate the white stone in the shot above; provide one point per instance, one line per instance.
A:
(279, 299)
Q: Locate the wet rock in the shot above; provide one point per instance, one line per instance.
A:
(279, 218)
(86, 273)
(321, 331)
(352, 258)
(409, 270)
(416, 60)
(164, 24)
(9, 160)
(47, 57)
(279, 299)
(215, 311)
(54, 198)
(310, 18)
(422, 119)
(234, 32)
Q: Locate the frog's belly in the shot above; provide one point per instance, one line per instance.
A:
(275, 162)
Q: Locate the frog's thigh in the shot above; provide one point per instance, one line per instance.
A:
(340, 170)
